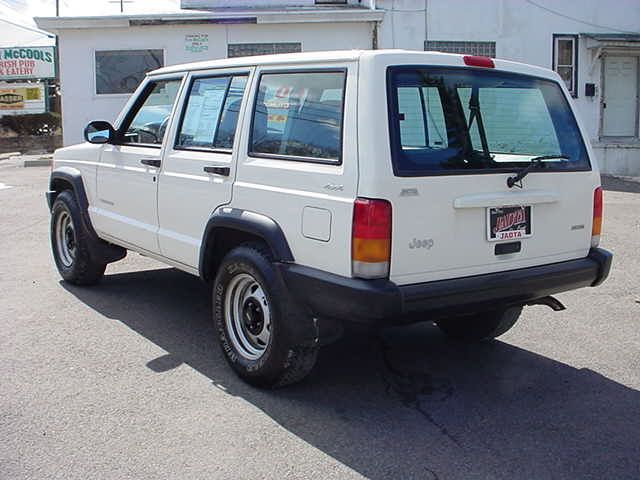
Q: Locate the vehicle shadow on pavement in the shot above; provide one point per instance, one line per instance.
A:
(405, 403)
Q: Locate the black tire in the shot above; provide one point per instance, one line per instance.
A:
(281, 360)
(74, 264)
(480, 326)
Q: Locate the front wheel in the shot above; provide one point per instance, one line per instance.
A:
(255, 319)
(70, 243)
(480, 326)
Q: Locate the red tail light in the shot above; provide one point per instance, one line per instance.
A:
(477, 61)
(596, 227)
(371, 238)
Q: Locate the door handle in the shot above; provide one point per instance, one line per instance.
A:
(224, 171)
(151, 162)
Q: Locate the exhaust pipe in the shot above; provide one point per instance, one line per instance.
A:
(551, 302)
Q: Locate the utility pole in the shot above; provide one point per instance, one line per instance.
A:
(57, 8)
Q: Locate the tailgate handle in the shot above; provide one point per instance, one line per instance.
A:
(500, 199)
(224, 171)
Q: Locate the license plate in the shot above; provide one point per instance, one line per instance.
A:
(508, 223)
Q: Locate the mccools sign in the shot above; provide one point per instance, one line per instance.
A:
(27, 63)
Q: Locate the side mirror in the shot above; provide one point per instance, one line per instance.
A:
(99, 131)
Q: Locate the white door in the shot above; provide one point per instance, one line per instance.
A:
(620, 103)
(198, 168)
(126, 206)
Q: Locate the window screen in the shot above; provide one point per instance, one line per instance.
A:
(299, 115)
(248, 49)
(485, 49)
(211, 113)
(121, 71)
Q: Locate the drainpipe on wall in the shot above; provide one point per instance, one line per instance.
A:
(374, 36)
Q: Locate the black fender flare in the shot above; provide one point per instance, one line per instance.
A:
(247, 222)
(100, 250)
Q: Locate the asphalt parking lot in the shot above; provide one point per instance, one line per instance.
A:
(125, 380)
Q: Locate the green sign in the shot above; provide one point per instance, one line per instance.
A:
(27, 63)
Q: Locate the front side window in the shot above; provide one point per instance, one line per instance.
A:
(121, 71)
(211, 114)
(147, 123)
(299, 115)
(452, 119)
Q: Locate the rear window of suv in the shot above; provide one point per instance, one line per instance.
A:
(458, 120)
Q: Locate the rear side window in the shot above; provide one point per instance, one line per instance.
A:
(450, 120)
(211, 113)
(299, 116)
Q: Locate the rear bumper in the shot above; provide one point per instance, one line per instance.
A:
(382, 301)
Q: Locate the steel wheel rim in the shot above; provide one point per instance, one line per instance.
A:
(247, 316)
(65, 236)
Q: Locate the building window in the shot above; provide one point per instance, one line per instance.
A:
(565, 60)
(248, 49)
(121, 71)
(485, 49)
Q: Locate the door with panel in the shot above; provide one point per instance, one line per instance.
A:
(620, 101)
(199, 161)
(126, 206)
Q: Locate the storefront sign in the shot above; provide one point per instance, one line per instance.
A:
(196, 42)
(22, 98)
(27, 63)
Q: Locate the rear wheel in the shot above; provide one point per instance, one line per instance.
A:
(70, 243)
(480, 326)
(255, 319)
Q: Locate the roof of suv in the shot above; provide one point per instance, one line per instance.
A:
(394, 55)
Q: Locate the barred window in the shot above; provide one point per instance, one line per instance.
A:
(248, 49)
(485, 49)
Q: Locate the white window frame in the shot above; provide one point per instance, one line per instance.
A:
(94, 64)
(573, 89)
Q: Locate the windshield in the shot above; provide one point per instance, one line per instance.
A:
(452, 120)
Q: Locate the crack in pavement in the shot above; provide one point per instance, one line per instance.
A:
(410, 387)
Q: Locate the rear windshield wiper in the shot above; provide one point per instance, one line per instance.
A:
(476, 114)
(534, 163)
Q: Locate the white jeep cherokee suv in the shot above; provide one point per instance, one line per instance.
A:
(315, 189)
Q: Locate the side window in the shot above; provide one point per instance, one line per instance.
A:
(299, 115)
(422, 122)
(148, 124)
(211, 113)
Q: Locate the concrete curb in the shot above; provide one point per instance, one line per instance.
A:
(5, 156)
(38, 162)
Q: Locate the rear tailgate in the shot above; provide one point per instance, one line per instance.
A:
(455, 136)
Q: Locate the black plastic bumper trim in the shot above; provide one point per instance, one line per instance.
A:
(373, 301)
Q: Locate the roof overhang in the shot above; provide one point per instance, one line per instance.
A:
(609, 41)
(231, 16)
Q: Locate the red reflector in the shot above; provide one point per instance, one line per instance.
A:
(371, 219)
(477, 61)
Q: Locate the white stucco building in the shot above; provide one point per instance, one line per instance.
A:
(593, 44)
